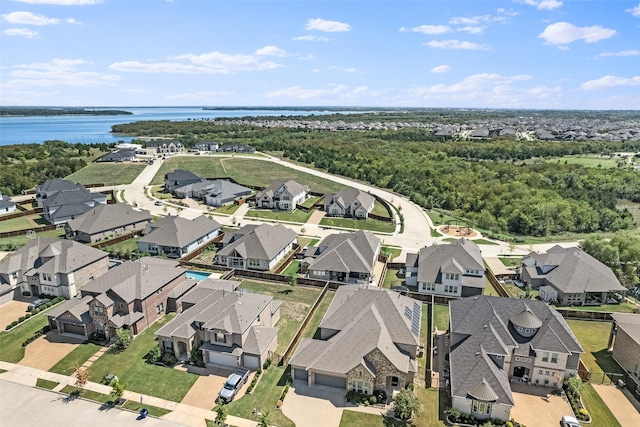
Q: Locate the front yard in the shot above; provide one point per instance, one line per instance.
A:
(77, 357)
(140, 376)
(11, 349)
(296, 216)
(359, 224)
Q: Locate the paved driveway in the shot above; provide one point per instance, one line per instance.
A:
(48, 350)
(316, 406)
(11, 311)
(541, 409)
(626, 414)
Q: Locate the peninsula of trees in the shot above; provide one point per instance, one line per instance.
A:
(58, 111)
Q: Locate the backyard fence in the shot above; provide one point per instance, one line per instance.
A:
(21, 214)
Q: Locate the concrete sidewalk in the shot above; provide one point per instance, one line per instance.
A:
(182, 414)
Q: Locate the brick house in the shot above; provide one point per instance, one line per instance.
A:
(368, 341)
(350, 202)
(625, 336)
(106, 221)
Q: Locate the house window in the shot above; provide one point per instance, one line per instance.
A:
(14, 275)
(168, 345)
(545, 356)
(452, 276)
(554, 357)
(220, 337)
(98, 310)
(450, 289)
(361, 386)
(429, 286)
(159, 308)
(394, 381)
(481, 408)
(540, 372)
(46, 277)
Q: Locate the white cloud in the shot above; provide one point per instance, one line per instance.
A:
(310, 38)
(471, 29)
(327, 26)
(271, 51)
(456, 44)
(57, 72)
(608, 82)
(428, 29)
(543, 4)
(441, 69)
(24, 32)
(562, 33)
(635, 11)
(62, 2)
(628, 52)
(28, 18)
(504, 16)
(206, 63)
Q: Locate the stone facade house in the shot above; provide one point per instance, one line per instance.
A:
(455, 269)
(256, 247)
(570, 276)
(346, 258)
(282, 196)
(231, 328)
(350, 202)
(54, 267)
(625, 336)
(106, 221)
(131, 296)
(495, 341)
(368, 341)
(175, 237)
(179, 178)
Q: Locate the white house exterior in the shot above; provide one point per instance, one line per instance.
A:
(6, 205)
(349, 202)
(282, 196)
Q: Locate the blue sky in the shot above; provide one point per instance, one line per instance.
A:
(559, 54)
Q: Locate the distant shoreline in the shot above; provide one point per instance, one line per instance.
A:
(55, 111)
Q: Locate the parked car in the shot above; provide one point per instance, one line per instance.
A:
(37, 303)
(233, 385)
(569, 421)
(157, 203)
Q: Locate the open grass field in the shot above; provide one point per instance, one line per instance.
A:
(264, 398)
(634, 208)
(310, 201)
(296, 303)
(228, 210)
(140, 376)
(588, 161)
(359, 224)
(292, 269)
(76, 357)
(433, 403)
(204, 166)
(107, 173)
(296, 216)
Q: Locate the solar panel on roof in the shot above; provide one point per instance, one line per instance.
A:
(415, 319)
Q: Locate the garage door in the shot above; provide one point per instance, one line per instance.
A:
(301, 374)
(331, 381)
(74, 329)
(251, 362)
(222, 359)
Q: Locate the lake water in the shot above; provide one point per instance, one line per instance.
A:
(95, 129)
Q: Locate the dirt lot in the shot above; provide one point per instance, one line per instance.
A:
(12, 311)
(541, 410)
(48, 350)
(204, 392)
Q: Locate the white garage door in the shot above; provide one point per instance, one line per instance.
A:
(251, 362)
(222, 359)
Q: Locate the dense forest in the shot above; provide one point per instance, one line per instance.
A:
(24, 166)
(58, 111)
(621, 253)
(486, 182)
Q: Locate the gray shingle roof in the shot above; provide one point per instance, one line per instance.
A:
(56, 184)
(353, 252)
(454, 257)
(630, 323)
(178, 232)
(576, 271)
(136, 279)
(291, 186)
(77, 307)
(181, 175)
(263, 242)
(366, 320)
(347, 196)
(108, 217)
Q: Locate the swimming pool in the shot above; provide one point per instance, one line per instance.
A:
(197, 275)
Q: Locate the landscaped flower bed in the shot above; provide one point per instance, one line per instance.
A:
(572, 386)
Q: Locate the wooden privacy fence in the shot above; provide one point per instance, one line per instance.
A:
(104, 243)
(496, 284)
(25, 230)
(21, 214)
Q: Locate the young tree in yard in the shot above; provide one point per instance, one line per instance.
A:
(264, 420)
(221, 414)
(117, 389)
(124, 340)
(82, 377)
(405, 404)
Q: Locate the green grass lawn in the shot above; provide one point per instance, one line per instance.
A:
(489, 289)
(88, 394)
(107, 173)
(517, 292)
(228, 210)
(625, 307)
(19, 241)
(292, 269)
(600, 413)
(511, 261)
(204, 166)
(392, 278)
(441, 317)
(391, 251)
(362, 419)
(49, 385)
(153, 410)
(140, 376)
(296, 303)
(359, 224)
(11, 349)
(128, 245)
(296, 216)
(484, 242)
(312, 327)
(425, 337)
(588, 161)
(433, 403)
(380, 210)
(307, 241)
(77, 357)
(264, 398)
(593, 337)
(29, 221)
(310, 201)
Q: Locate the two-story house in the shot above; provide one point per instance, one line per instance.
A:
(53, 186)
(282, 195)
(454, 269)
(343, 257)
(495, 341)
(63, 200)
(570, 276)
(260, 248)
(624, 340)
(368, 341)
(175, 237)
(6, 205)
(349, 202)
(179, 178)
(171, 147)
(54, 267)
(131, 296)
(230, 328)
(106, 221)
